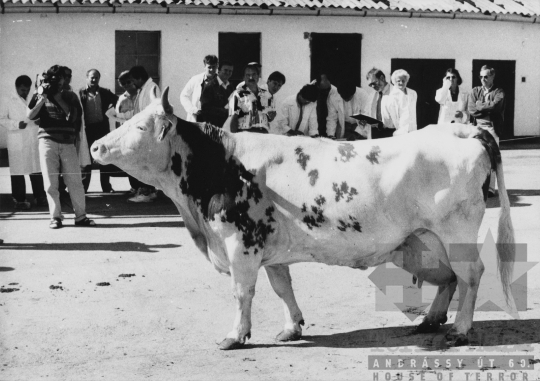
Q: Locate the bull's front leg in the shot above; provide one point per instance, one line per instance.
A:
(244, 269)
(280, 280)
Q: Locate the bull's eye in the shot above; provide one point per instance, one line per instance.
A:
(141, 128)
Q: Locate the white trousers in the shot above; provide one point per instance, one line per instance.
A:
(55, 159)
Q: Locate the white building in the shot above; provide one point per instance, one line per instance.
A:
(292, 36)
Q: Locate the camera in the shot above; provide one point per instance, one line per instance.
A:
(48, 83)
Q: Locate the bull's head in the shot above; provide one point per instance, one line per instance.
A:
(141, 146)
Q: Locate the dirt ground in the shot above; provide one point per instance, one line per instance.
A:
(133, 299)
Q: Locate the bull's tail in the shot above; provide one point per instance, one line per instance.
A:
(505, 240)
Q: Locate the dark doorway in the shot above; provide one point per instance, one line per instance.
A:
(426, 79)
(337, 54)
(137, 48)
(240, 49)
(505, 77)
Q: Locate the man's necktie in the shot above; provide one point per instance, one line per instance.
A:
(299, 118)
(379, 113)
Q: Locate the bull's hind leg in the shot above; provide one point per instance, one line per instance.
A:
(423, 255)
(460, 241)
(439, 308)
(280, 279)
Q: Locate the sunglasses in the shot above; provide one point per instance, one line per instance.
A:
(451, 77)
(372, 84)
(485, 76)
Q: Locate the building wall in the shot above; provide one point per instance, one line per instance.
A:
(30, 43)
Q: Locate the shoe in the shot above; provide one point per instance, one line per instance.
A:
(139, 197)
(491, 193)
(110, 190)
(42, 201)
(85, 222)
(153, 195)
(23, 205)
(55, 223)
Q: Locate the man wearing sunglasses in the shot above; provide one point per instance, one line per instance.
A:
(486, 105)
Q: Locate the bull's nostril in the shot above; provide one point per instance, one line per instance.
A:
(94, 148)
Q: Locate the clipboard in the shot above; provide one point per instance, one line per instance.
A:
(368, 120)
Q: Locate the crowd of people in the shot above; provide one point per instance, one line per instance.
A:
(50, 131)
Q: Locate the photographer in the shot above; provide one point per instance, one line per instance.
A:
(58, 112)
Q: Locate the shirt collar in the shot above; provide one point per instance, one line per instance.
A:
(221, 83)
(487, 90)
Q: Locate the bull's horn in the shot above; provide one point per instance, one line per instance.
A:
(165, 101)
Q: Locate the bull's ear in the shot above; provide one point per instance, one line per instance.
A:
(165, 102)
(164, 130)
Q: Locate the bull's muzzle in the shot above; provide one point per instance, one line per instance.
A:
(99, 152)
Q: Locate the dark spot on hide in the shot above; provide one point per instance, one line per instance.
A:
(313, 176)
(302, 157)
(176, 166)
(315, 218)
(343, 190)
(346, 151)
(216, 184)
(353, 225)
(373, 155)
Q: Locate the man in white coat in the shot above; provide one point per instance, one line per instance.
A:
(399, 107)
(351, 100)
(190, 97)
(23, 151)
(299, 114)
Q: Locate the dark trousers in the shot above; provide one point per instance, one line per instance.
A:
(136, 184)
(18, 187)
(95, 132)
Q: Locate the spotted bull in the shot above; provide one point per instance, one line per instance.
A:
(251, 200)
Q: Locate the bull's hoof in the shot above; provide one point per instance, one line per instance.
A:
(289, 335)
(230, 344)
(429, 327)
(454, 339)
(426, 327)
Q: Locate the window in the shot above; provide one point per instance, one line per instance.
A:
(337, 55)
(137, 48)
(240, 49)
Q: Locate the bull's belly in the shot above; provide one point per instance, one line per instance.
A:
(340, 249)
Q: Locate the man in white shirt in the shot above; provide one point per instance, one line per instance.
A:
(190, 97)
(299, 114)
(377, 81)
(248, 106)
(148, 92)
(399, 107)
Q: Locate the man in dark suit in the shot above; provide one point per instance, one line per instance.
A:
(486, 106)
(215, 96)
(96, 101)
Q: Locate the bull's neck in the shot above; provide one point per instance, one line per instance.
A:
(201, 160)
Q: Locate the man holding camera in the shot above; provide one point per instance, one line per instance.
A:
(58, 113)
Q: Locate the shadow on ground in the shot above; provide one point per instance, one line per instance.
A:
(492, 333)
(515, 196)
(106, 246)
(106, 204)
